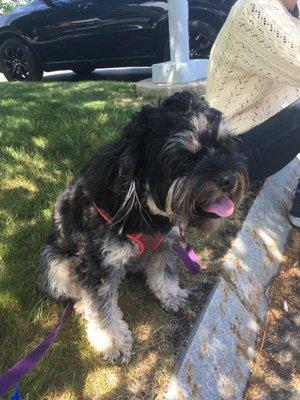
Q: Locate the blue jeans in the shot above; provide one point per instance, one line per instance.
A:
(269, 146)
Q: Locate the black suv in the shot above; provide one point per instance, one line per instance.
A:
(81, 35)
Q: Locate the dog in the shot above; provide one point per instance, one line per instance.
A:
(175, 165)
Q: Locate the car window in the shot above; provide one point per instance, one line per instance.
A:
(57, 3)
(68, 1)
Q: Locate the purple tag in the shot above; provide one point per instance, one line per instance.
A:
(189, 257)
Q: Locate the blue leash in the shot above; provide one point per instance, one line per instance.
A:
(16, 395)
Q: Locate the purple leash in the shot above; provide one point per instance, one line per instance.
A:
(188, 256)
(14, 375)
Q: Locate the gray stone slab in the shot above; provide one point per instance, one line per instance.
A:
(148, 89)
(216, 364)
(257, 252)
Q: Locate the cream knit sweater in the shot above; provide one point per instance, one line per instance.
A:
(254, 67)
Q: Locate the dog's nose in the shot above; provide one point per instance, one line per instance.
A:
(227, 182)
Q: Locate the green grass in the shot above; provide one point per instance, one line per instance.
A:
(47, 133)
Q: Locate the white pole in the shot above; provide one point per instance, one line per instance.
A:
(180, 69)
(179, 30)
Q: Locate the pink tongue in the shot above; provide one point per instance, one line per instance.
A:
(223, 207)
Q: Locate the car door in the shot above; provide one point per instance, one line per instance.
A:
(127, 30)
(66, 30)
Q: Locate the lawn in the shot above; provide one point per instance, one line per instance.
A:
(47, 133)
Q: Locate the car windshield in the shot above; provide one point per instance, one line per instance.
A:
(54, 3)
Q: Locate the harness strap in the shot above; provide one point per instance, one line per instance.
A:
(145, 242)
(152, 243)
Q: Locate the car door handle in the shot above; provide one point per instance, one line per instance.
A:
(85, 5)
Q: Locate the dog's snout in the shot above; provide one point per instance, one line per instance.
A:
(227, 182)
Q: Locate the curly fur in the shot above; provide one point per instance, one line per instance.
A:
(169, 160)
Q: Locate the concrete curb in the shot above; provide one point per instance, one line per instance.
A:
(216, 363)
(148, 89)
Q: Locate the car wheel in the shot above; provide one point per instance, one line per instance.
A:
(18, 63)
(202, 37)
(83, 70)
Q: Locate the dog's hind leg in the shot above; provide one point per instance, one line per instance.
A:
(55, 274)
(162, 276)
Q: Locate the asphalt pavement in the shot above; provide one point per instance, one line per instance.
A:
(127, 74)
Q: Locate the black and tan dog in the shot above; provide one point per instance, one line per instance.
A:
(173, 166)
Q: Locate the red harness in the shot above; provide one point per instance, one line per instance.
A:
(145, 242)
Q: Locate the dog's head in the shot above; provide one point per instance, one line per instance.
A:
(179, 162)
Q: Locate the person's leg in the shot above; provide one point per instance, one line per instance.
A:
(271, 145)
(294, 215)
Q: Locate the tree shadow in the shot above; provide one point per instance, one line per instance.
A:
(277, 363)
(47, 133)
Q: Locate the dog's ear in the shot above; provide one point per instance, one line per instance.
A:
(215, 119)
(129, 179)
(133, 140)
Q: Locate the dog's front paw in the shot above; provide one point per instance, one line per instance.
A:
(120, 351)
(115, 345)
(175, 301)
(119, 354)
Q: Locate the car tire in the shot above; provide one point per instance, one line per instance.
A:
(83, 70)
(202, 37)
(18, 63)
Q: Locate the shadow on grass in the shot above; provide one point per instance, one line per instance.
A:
(47, 133)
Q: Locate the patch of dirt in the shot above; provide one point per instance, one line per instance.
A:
(276, 367)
